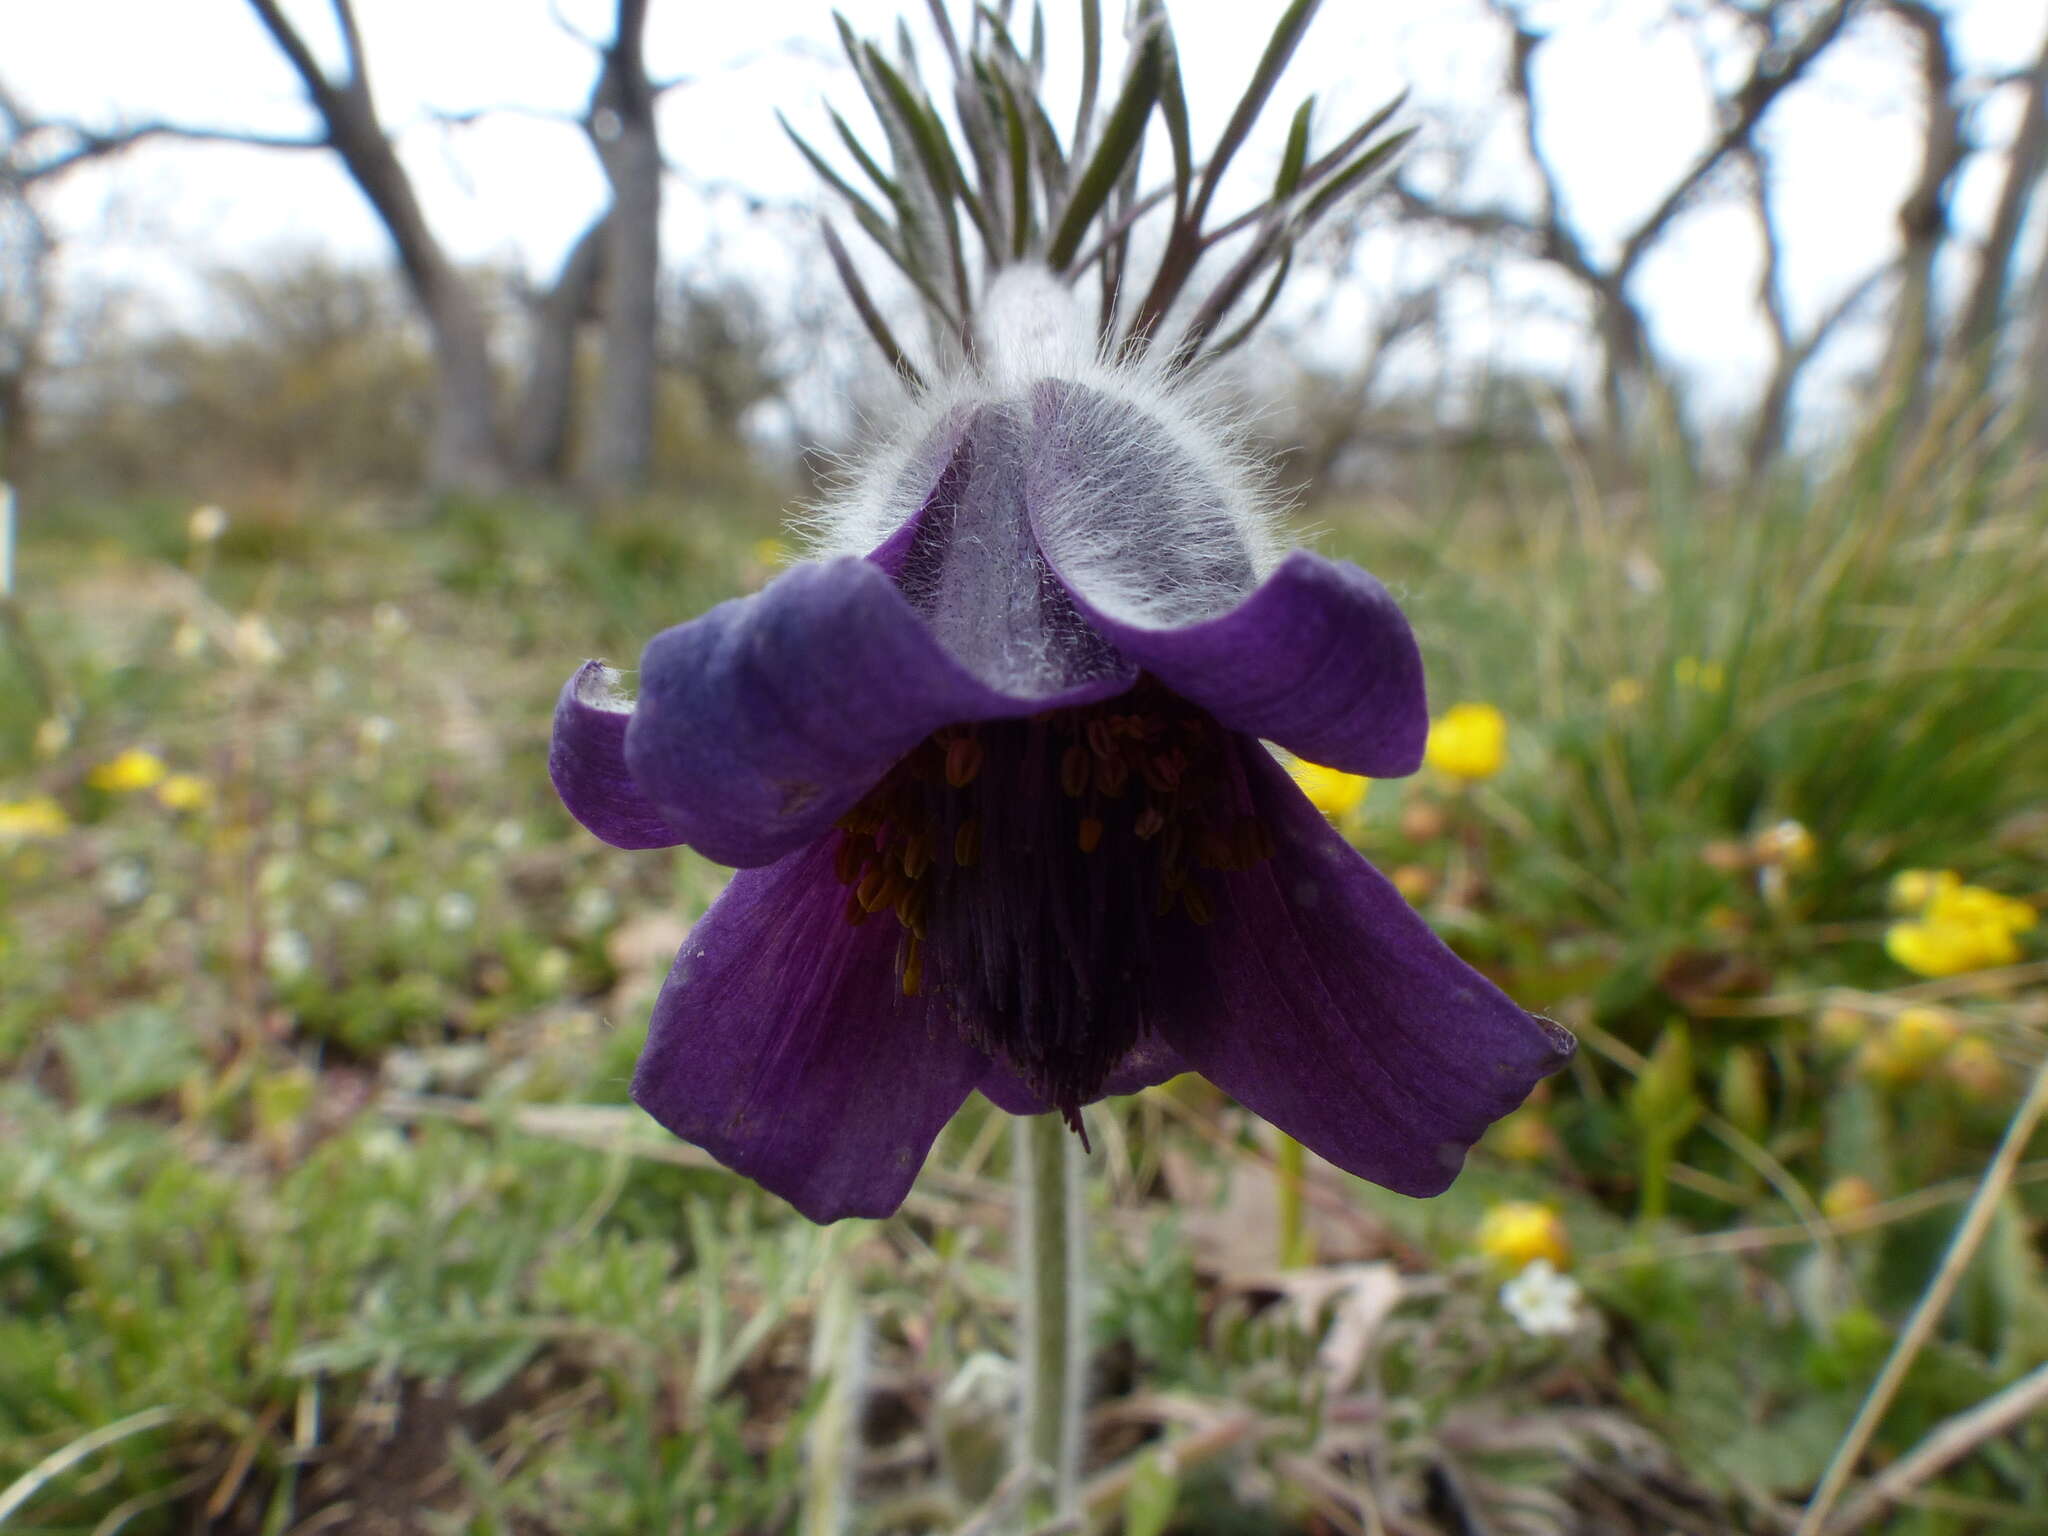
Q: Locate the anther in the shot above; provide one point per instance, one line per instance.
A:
(1090, 837)
(847, 862)
(917, 855)
(1111, 775)
(1200, 911)
(869, 891)
(1100, 739)
(892, 886)
(1074, 771)
(963, 761)
(913, 967)
(1150, 823)
(967, 843)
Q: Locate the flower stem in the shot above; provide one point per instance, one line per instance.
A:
(1295, 1247)
(1048, 1187)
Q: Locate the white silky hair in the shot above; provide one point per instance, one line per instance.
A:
(1172, 514)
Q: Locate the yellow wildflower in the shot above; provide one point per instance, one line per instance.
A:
(1787, 844)
(1330, 790)
(1850, 1195)
(1415, 882)
(1469, 741)
(1915, 1040)
(1960, 928)
(1973, 1065)
(1625, 693)
(1524, 1136)
(37, 816)
(1912, 889)
(133, 770)
(1518, 1232)
(770, 552)
(1691, 672)
(184, 792)
(206, 524)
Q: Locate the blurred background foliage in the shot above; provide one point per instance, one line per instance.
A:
(320, 1205)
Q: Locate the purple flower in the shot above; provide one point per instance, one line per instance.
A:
(1003, 821)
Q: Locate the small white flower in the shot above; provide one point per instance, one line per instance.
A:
(256, 642)
(592, 908)
(455, 910)
(1542, 1301)
(345, 898)
(287, 954)
(206, 524)
(124, 882)
(507, 835)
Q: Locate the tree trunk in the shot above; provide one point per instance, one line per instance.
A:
(1977, 331)
(621, 440)
(2034, 360)
(540, 440)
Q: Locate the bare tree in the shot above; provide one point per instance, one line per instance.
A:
(466, 451)
(1782, 55)
(1791, 350)
(1923, 218)
(1978, 324)
(621, 125)
(469, 448)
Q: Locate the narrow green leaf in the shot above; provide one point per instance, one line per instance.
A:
(1091, 73)
(948, 39)
(1243, 333)
(1296, 157)
(1294, 21)
(1338, 153)
(884, 182)
(864, 306)
(1121, 137)
(1333, 191)
(1022, 225)
(1173, 106)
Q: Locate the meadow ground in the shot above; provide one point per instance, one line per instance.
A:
(321, 1208)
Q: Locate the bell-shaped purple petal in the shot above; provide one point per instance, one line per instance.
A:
(1338, 1016)
(1317, 657)
(761, 723)
(587, 761)
(783, 1045)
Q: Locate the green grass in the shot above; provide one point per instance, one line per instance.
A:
(318, 1197)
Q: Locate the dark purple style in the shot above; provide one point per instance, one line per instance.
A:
(1003, 822)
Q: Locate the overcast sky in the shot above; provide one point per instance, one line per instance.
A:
(1624, 104)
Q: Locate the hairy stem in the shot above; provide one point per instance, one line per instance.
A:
(1048, 1187)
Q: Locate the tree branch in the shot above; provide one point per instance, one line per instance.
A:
(1768, 80)
(93, 145)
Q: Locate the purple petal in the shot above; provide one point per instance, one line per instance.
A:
(1150, 1061)
(783, 1045)
(1317, 657)
(761, 723)
(1342, 1019)
(587, 761)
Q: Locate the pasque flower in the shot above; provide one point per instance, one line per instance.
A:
(992, 773)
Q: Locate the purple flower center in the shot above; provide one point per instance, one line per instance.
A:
(1049, 874)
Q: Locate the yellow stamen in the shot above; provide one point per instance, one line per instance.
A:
(1091, 834)
(913, 967)
(963, 761)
